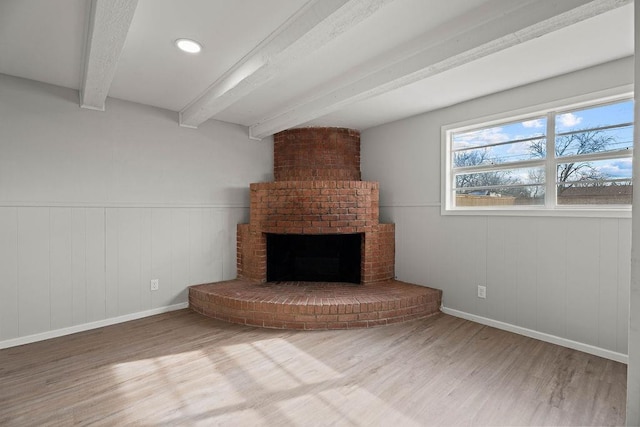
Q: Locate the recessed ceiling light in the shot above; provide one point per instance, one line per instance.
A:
(188, 45)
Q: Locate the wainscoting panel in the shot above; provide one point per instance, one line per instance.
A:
(179, 254)
(61, 260)
(34, 292)
(502, 272)
(95, 264)
(624, 279)
(129, 225)
(161, 252)
(9, 273)
(582, 272)
(62, 267)
(79, 272)
(551, 275)
(608, 282)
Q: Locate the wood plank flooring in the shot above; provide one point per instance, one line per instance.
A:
(181, 368)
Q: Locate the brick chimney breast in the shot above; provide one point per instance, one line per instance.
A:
(317, 154)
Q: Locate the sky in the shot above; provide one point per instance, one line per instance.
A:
(567, 121)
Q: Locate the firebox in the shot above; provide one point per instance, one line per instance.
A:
(314, 258)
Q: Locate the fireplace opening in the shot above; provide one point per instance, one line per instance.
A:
(314, 258)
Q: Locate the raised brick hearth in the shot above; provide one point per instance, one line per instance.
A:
(314, 305)
(317, 192)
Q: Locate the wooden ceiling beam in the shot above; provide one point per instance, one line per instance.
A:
(109, 22)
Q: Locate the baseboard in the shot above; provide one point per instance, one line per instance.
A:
(88, 326)
(586, 348)
(114, 205)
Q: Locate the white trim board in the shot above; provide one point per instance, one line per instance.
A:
(564, 342)
(14, 342)
(411, 205)
(109, 205)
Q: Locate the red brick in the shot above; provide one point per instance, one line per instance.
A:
(368, 316)
(327, 318)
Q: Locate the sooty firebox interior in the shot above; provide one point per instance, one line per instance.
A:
(314, 258)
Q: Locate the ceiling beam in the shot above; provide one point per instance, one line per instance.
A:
(109, 22)
(313, 26)
(492, 27)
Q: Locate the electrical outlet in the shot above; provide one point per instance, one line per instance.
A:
(482, 291)
(155, 284)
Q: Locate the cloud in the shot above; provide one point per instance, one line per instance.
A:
(617, 169)
(569, 120)
(537, 123)
(524, 150)
(479, 138)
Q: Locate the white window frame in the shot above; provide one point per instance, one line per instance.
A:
(550, 208)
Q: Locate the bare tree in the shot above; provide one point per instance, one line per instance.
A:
(536, 175)
(589, 141)
(480, 179)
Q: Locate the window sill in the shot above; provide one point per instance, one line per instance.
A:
(572, 212)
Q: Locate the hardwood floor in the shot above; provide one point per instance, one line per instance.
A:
(181, 368)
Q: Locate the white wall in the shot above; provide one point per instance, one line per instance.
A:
(566, 277)
(93, 205)
(633, 369)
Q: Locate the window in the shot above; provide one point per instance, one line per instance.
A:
(565, 158)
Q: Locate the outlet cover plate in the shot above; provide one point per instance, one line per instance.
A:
(155, 284)
(482, 291)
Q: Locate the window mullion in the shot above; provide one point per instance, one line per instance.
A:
(599, 155)
(550, 163)
(496, 144)
(498, 166)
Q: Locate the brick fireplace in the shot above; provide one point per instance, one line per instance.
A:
(314, 254)
(317, 191)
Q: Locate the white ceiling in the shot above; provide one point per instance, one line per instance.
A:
(271, 65)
